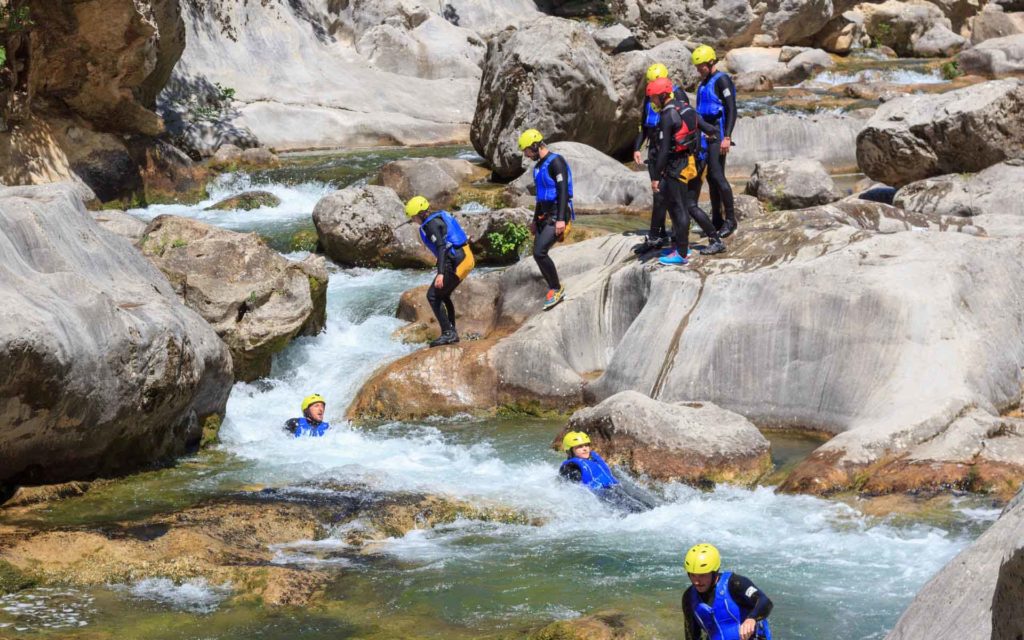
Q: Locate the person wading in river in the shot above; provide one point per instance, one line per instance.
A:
(553, 215)
(722, 604)
(312, 421)
(443, 235)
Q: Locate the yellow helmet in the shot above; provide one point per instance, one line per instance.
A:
(656, 70)
(416, 204)
(703, 54)
(702, 558)
(529, 138)
(311, 400)
(574, 439)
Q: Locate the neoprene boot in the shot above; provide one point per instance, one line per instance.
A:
(448, 337)
(715, 246)
(728, 228)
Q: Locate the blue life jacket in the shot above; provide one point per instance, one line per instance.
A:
(709, 106)
(652, 118)
(455, 237)
(722, 618)
(547, 188)
(595, 472)
(304, 428)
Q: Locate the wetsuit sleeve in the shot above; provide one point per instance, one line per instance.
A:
(690, 625)
(691, 119)
(570, 472)
(559, 172)
(292, 425)
(641, 129)
(710, 130)
(667, 127)
(680, 95)
(726, 92)
(749, 597)
(437, 232)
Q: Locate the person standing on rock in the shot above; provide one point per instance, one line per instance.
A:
(722, 604)
(312, 421)
(443, 235)
(650, 117)
(553, 214)
(716, 103)
(675, 170)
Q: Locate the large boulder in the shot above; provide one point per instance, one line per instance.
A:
(102, 369)
(254, 298)
(367, 226)
(995, 57)
(476, 310)
(993, 22)
(695, 442)
(829, 139)
(976, 595)
(599, 181)
(854, 318)
(436, 179)
(550, 76)
(772, 64)
(120, 223)
(792, 184)
(913, 28)
(993, 199)
(969, 129)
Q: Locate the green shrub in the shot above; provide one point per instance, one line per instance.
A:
(509, 240)
(951, 70)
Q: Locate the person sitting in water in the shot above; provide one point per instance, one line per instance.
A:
(586, 466)
(722, 604)
(312, 421)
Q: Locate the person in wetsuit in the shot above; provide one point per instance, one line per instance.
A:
(722, 604)
(716, 103)
(443, 235)
(312, 421)
(553, 214)
(676, 172)
(586, 466)
(650, 117)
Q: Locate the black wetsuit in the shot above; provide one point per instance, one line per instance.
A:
(752, 601)
(545, 215)
(718, 187)
(440, 300)
(666, 168)
(650, 136)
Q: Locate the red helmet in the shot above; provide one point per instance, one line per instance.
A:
(658, 87)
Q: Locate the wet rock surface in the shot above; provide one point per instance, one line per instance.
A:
(695, 442)
(254, 298)
(971, 596)
(104, 370)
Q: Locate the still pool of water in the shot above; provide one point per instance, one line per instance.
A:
(831, 569)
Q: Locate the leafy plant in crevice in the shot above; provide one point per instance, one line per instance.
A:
(950, 70)
(509, 240)
(14, 18)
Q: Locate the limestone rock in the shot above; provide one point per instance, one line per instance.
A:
(939, 42)
(246, 202)
(436, 179)
(104, 371)
(616, 39)
(995, 57)
(550, 76)
(792, 184)
(254, 298)
(603, 625)
(993, 22)
(120, 223)
(829, 139)
(977, 594)
(367, 226)
(695, 442)
(229, 157)
(969, 129)
(599, 182)
(900, 25)
(476, 309)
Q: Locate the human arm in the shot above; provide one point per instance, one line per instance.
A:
(292, 426)
(558, 169)
(570, 472)
(726, 92)
(751, 600)
(667, 127)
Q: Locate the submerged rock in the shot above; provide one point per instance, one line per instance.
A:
(603, 625)
(104, 370)
(255, 298)
(915, 137)
(695, 442)
(246, 202)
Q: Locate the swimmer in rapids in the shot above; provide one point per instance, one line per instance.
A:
(312, 421)
(586, 466)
